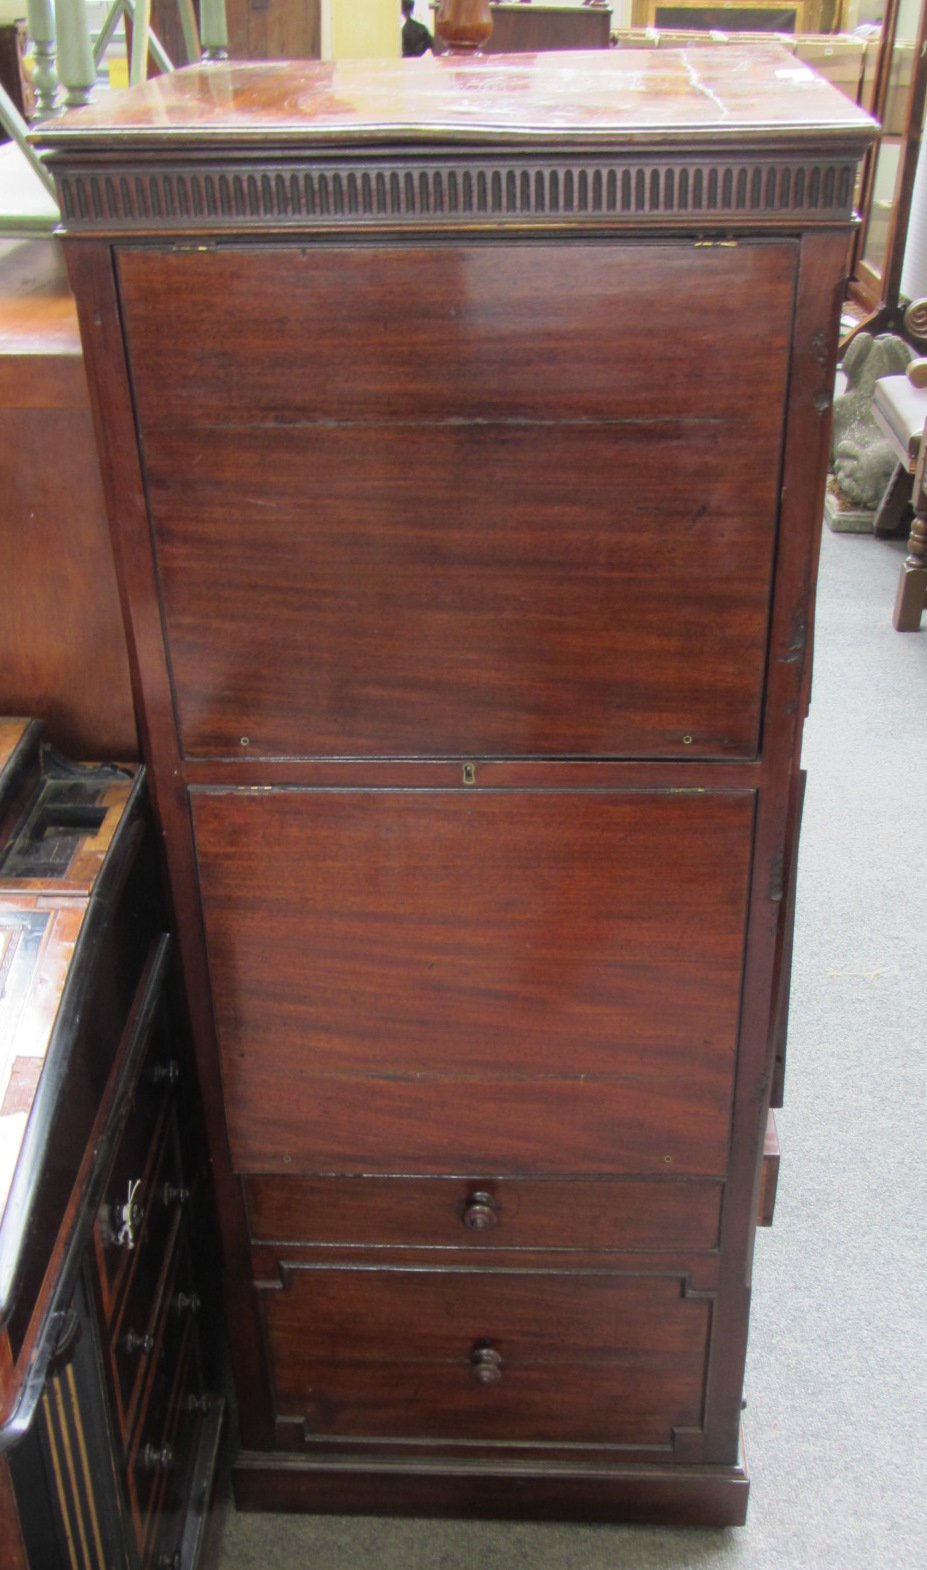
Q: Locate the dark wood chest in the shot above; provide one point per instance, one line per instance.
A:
(110, 1346)
(465, 428)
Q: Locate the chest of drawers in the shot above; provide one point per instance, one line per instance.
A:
(465, 427)
(110, 1415)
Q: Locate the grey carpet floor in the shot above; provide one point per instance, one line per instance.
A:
(836, 1423)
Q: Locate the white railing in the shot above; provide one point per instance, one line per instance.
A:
(67, 61)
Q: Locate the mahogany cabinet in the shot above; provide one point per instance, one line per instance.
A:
(464, 426)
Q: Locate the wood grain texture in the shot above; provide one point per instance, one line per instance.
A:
(62, 644)
(596, 1359)
(92, 275)
(576, 1491)
(406, 1006)
(466, 331)
(422, 341)
(535, 618)
(274, 29)
(14, 1549)
(431, 1213)
(519, 29)
(807, 442)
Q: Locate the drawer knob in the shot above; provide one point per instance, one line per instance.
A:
(480, 1212)
(165, 1073)
(155, 1459)
(172, 1193)
(187, 1303)
(133, 1343)
(119, 1223)
(485, 1365)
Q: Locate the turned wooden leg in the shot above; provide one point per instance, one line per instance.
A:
(894, 504)
(912, 585)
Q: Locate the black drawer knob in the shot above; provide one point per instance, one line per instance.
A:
(120, 1221)
(165, 1073)
(485, 1365)
(133, 1343)
(174, 1193)
(480, 1212)
(156, 1458)
(187, 1302)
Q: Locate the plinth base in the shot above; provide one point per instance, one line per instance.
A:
(846, 520)
(646, 1495)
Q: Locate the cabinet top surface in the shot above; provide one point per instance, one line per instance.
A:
(736, 93)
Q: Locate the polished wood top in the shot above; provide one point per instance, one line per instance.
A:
(11, 734)
(37, 311)
(748, 95)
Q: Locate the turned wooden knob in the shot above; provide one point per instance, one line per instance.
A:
(134, 1343)
(172, 1193)
(165, 1073)
(156, 1459)
(480, 1212)
(485, 1365)
(462, 27)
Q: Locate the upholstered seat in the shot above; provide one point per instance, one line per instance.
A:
(901, 410)
(900, 405)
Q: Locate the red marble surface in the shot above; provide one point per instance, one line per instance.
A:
(647, 95)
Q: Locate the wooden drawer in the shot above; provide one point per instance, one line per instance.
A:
(463, 972)
(586, 1358)
(132, 1180)
(158, 1457)
(490, 548)
(135, 1328)
(484, 1213)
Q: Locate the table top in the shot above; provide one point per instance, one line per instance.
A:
(746, 94)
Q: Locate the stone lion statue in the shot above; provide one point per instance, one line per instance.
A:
(862, 461)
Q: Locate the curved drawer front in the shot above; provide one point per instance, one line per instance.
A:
(449, 981)
(534, 1356)
(509, 526)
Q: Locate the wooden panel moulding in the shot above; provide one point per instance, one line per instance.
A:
(609, 193)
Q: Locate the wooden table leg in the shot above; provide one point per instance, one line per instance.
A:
(912, 585)
(894, 504)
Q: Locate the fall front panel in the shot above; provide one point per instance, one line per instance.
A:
(429, 981)
(462, 500)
